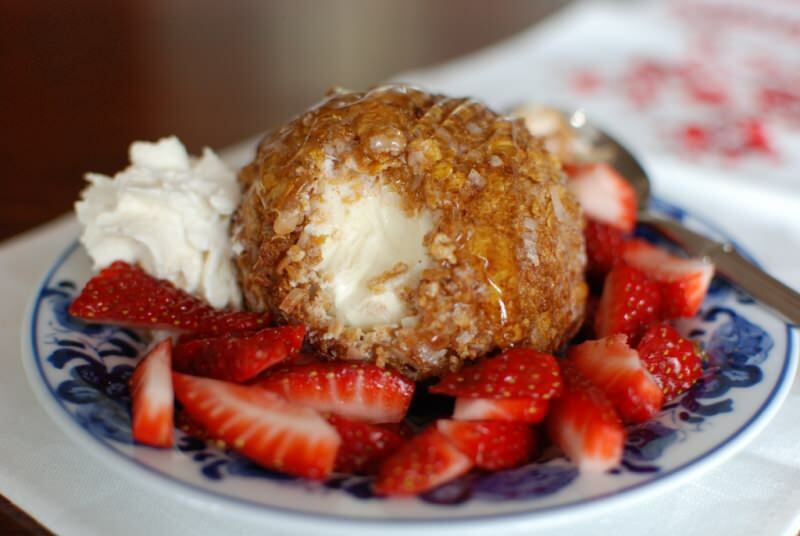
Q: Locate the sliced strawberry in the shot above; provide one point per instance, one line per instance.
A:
(672, 360)
(301, 358)
(238, 358)
(604, 245)
(604, 194)
(153, 402)
(527, 410)
(358, 391)
(615, 368)
(261, 425)
(684, 282)
(630, 302)
(364, 445)
(491, 445)
(421, 464)
(186, 424)
(124, 294)
(583, 423)
(402, 428)
(516, 373)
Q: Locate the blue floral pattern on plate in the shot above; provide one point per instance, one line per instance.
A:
(86, 368)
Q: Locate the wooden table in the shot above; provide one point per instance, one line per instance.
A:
(81, 80)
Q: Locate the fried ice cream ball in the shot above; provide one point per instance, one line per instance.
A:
(411, 230)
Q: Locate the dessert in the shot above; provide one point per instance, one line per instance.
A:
(381, 238)
(411, 230)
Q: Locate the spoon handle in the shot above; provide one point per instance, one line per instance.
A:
(732, 265)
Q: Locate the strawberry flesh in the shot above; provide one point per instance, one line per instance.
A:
(672, 360)
(630, 302)
(153, 402)
(238, 358)
(604, 195)
(186, 424)
(584, 425)
(604, 246)
(516, 373)
(684, 282)
(426, 461)
(491, 445)
(359, 391)
(124, 294)
(527, 410)
(364, 445)
(616, 369)
(261, 425)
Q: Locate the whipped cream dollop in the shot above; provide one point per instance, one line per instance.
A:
(372, 250)
(170, 213)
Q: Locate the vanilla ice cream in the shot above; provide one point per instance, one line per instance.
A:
(372, 249)
(169, 213)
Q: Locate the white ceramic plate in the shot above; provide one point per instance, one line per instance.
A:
(79, 373)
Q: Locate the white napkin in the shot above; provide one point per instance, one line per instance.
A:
(754, 196)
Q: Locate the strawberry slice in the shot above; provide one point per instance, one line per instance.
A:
(630, 302)
(358, 391)
(516, 373)
(364, 445)
(261, 425)
(684, 282)
(616, 369)
(527, 410)
(583, 423)
(672, 360)
(123, 294)
(421, 464)
(153, 403)
(604, 194)
(491, 445)
(186, 424)
(238, 358)
(604, 246)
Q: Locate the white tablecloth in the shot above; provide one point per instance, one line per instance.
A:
(587, 56)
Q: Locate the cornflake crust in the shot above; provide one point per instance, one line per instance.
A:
(501, 258)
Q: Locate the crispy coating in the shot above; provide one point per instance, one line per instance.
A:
(507, 247)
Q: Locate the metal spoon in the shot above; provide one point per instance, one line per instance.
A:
(728, 262)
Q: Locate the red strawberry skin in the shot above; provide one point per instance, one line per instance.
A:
(238, 358)
(604, 246)
(604, 195)
(616, 369)
(526, 410)
(583, 423)
(684, 282)
(364, 445)
(124, 294)
(261, 425)
(630, 302)
(672, 360)
(426, 461)
(153, 403)
(359, 391)
(491, 445)
(516, 373)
